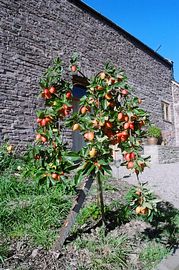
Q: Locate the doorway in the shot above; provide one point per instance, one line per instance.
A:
(77, 139)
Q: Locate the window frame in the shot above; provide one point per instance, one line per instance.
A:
(166, 111)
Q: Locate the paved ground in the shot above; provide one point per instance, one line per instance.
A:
(162, 178)
(164, 181)
(170, 263)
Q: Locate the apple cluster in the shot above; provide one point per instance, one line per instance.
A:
(111, 115)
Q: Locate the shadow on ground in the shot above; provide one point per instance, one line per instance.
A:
(164, 228)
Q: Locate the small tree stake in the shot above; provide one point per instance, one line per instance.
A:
(70, 220)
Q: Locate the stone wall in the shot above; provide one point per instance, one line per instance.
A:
(34, 32)
(168, 154)
(161, 153)
(175, 89)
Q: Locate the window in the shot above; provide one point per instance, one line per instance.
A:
(166, 111)
(78, 92)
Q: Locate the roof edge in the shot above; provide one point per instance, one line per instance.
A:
(81, 4)
(175, 82)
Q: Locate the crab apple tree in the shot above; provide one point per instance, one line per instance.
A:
(109, 115)
(54, 161)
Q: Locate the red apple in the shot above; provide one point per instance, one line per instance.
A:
(52, 90)
(68, 95)
(73, 68)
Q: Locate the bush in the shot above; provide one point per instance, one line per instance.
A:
(154, 131)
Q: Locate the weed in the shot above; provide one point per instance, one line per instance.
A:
(4, 250)
(90, 211)
(152, 254)
(116, 213)
(104, 251)
(7, 157)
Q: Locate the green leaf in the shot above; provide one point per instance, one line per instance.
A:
(102, 139)
(107, 169)
(148, 205)
(72, 156)
(89, 168)
(72, 167)
(78, 177)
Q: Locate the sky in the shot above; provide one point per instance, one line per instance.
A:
(154, 22)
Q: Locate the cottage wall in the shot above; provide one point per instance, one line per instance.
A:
(34, 32)
(175, 89)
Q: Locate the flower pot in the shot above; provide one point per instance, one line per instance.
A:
(152, 141)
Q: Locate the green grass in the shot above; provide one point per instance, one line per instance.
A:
(152, 254)
(104, 252)
(27, 210)
(4, 250)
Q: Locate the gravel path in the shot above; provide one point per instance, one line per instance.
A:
(162, 178)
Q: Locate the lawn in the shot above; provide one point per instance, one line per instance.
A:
(31, 216)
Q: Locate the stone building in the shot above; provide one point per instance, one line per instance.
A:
(175, 89)
(35, 32)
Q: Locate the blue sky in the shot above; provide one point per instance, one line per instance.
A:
(154, 22)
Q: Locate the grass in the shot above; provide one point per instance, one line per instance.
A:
(4, 250)
(152, 254)
(29, 211)
(104, 252)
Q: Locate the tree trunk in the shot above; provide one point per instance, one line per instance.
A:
(100, 196)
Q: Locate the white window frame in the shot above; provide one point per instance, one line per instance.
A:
(166, 111)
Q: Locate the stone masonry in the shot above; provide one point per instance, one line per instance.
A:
(175, 89)
(32, 33)
(162, 154)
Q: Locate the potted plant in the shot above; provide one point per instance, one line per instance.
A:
(153, 134)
